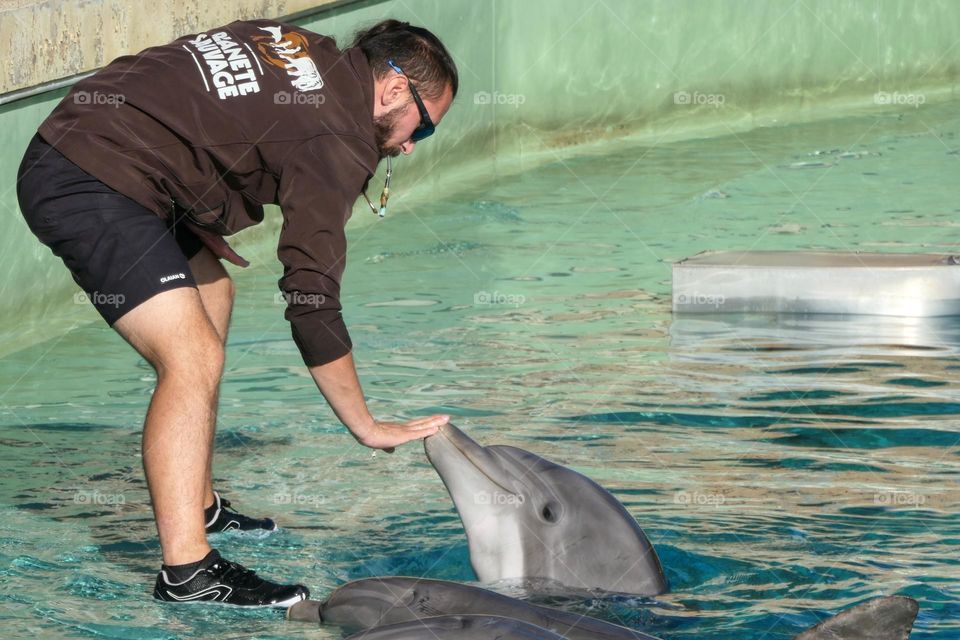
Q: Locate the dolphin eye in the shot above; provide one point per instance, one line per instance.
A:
(549, 513)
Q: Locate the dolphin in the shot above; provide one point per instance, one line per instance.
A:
(464, 627)
(888, 618)
(395, 605)
(372, 602)
(529, 518)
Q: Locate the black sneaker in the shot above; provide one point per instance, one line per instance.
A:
(227, 582)
(220, 517)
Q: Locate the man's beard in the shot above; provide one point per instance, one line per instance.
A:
(383, 126)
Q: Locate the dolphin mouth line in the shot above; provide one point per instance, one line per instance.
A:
(473, 462)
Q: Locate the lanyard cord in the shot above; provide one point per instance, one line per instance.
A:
(385, 194)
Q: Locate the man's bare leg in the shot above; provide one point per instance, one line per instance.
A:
(217, 294)
(173, 332)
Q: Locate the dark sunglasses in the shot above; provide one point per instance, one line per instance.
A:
(426, 128)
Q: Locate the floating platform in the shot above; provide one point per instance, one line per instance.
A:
(882, 284)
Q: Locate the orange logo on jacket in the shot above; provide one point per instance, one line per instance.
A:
(290, 52)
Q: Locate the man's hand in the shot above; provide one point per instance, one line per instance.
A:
(387, 435)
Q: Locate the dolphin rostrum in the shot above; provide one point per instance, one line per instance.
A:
(529, 518)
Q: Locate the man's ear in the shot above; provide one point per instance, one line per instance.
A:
(394, 91)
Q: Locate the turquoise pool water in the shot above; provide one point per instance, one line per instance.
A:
(783, 468)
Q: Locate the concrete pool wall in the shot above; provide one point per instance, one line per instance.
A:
(538, 78)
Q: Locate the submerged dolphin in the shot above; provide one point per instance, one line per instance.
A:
(372, 602)
(466, 627)
(392, 607)
(527, 517)
(889, 618)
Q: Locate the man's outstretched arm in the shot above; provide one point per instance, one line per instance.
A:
(339, 384)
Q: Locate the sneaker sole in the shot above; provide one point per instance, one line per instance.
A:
(252, 534)
(229, 529)
(284, 604)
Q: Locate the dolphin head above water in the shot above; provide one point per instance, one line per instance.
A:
(529, 518)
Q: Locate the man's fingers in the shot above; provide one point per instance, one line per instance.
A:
(428, 422)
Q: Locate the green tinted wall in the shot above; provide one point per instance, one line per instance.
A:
(541, 76)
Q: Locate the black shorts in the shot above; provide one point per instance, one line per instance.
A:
(119, 252)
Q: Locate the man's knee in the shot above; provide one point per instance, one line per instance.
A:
(197, 361)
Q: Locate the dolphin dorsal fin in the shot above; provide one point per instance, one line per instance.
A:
(887, 618)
